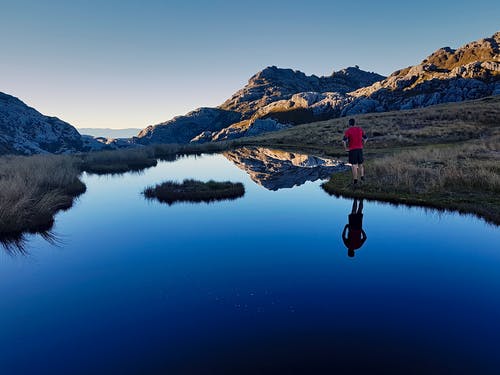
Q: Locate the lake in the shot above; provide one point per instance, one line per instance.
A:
(260, 284)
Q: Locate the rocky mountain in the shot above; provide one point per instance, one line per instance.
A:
(448, 75)
(273, 84)
(241, 114)
(274, 169)
(24, 130)
(277, 98)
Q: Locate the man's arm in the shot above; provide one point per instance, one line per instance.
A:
(345, 140)
(365, 138)
(363, 234)
(344, 237)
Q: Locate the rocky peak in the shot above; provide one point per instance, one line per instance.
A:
(273, 74)
(481, 50)
(273, 84)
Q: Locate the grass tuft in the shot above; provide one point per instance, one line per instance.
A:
(194, 191)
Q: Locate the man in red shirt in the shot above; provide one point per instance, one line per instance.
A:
(355, 137)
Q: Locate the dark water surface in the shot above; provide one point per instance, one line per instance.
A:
(262, 284)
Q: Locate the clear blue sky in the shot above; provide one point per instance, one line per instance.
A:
(135, 63)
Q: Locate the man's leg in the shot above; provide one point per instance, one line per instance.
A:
(354, 206)
(362, 171)
(354, 169)
(360, 207)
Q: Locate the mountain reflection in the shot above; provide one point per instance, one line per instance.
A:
(275, 169)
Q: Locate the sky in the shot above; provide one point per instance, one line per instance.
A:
(120, 63)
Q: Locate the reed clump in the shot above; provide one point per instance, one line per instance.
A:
(34, 188)
(194, 191)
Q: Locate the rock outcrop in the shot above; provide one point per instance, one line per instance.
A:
(24, 130)
(183, 129)
(273, 84)
(448, 75)
(274, 169)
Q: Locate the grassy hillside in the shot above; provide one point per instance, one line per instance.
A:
(445, 156)
(388, 131)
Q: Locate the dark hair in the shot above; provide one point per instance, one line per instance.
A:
(351, 122)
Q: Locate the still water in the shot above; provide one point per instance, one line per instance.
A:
(261, 284)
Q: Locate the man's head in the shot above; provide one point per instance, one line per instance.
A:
(352, 122)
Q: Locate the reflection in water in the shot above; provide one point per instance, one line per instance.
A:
(274, 169)
(16, 244)
(353, 234)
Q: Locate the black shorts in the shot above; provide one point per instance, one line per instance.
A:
(356, 156)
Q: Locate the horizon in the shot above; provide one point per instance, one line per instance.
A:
(122, 65)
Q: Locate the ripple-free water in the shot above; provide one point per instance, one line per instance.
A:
(262, 284)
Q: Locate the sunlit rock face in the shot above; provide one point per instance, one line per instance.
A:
(24, 130)
(448, 75)
(273, 84)
(275, 169)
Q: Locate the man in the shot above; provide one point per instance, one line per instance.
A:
(353, 234)
(355, 137)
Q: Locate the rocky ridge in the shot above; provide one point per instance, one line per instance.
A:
(276, 98)
(244, 114)
(24, 130)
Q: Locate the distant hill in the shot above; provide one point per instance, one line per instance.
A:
(276, 99)
(110, 133)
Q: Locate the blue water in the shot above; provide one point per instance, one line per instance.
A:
(262, 284)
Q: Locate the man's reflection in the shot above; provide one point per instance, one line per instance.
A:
(353, 235)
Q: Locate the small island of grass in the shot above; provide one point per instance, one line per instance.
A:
(194, 191)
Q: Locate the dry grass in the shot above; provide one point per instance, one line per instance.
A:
(447, 123)
(136, 159)
(194, 191)
(471, 167)
(118, 161)
(464, 177)
(33, 189)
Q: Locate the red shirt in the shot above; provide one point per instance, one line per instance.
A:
(355, 137)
